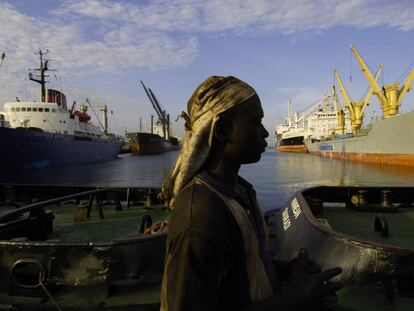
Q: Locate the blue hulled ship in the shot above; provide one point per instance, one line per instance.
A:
(38, 134)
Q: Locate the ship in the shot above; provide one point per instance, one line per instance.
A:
(318, 121)
(387, 140)
(36, 134)
(161, 137)
(367, 231)
(89, 248)
(289, 135)
(81, 248)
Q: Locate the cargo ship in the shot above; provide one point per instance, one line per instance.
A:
(161, 137)
(385, 141)
(35, 134)
(319, 121)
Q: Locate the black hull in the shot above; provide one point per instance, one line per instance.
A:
(292, 141)
(292, 144)
(147, 143)
(31, 148)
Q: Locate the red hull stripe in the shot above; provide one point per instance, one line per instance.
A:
(292, 148)
(379, 158)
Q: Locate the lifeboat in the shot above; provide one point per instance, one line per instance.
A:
(83, 116)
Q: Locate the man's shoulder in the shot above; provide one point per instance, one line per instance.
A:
(201, 209)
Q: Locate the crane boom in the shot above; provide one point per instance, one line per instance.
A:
(406, 86)
(335, 99)
(376, 88)
(365, 103)
(340, 115)
(151, 100)
(347, 101)
(162, 112)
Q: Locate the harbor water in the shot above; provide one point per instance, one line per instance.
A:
(276, 177)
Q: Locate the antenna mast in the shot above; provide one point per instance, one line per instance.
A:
(40, 78)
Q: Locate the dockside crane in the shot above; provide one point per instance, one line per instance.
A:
(163, 117)
(356, 109)
(390, 95)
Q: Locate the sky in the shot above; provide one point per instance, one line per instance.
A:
(285, 49)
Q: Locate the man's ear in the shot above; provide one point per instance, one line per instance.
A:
(223, 130)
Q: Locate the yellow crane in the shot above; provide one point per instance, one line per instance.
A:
(340, 114)
(356, 109)
(389, 96)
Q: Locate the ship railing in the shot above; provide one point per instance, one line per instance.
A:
(39, 206)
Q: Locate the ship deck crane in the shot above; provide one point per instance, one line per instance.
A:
(103, 109)
(389, 96)
(163, 117)
(340, 114)
(356, 109)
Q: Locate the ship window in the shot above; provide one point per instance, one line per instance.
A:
(23, 109)
(46, 109)
(64, 121)
(44, 120)
(17, 109)
(29, 109)
(60, 121)
(65, 132)
(40, 109)
(34, 109)
(12, 109)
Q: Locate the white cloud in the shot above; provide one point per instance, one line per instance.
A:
(90, 36)
(248, 16)
(118, 47)
(81, 47)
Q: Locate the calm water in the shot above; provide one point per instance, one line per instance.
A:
(276, 177)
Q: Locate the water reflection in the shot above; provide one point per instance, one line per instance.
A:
(276, 177)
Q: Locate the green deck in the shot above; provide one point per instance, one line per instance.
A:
(361, 225)
(143, 298)
(357, 299)
(115, 225)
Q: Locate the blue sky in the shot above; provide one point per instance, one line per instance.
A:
(286, 49)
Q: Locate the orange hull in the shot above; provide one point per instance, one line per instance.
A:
(292, 148)
(378, 158)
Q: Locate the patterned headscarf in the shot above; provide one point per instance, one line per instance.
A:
(213, 97)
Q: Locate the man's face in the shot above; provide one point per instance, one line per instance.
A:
(248, 133)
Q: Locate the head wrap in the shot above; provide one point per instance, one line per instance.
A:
(213, 97)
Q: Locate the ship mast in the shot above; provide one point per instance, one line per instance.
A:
(41, 77)
(389, 96)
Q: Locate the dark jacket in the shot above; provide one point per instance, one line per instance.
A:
(206, 269)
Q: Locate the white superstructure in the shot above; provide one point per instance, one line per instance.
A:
(321, 121)
(50, 117)
(318, 122)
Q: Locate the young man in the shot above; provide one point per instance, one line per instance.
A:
(216, 257)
